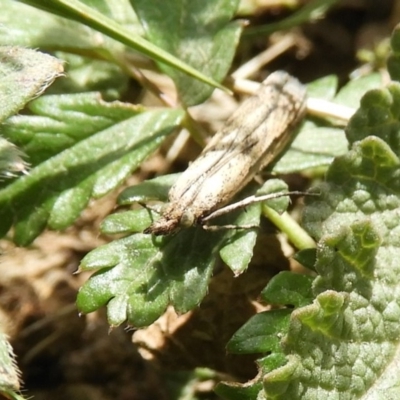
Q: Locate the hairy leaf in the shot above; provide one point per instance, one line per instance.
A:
(25, 74)
(11, 160)
(379, 115)
(345, 344)
(9, 373)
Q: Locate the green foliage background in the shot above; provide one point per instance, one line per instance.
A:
(341, 340)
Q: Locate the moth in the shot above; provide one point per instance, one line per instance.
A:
(252, 138)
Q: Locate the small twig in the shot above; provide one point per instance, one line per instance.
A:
(318, 107)
(328, 109)
(256, 63)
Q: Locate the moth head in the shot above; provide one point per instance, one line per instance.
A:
(169, 224)
(187, 219)
(163, 226)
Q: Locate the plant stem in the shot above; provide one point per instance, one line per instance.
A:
(295, 233)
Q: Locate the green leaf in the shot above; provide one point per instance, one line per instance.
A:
(140, 275)
(24, 75)
(153, 189)
(261, 333)
(57, 190)
(338, 332)
(393, 62)
(350, 334)
(84, 74)
(237, 250)
(271, 186)
(126, 222)
(249, 392)
(78, 11)
(379, 115)
(288, 288)
(345, 344)
(307, 258)
(198, 33)
(370, 170)
(350, 95)
(253, 389)
(313, 147)
(59, 122)
(323, 88)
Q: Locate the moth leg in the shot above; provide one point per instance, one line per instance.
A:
(252, 200)
(215, 228)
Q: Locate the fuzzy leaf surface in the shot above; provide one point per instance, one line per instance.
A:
(345, 345)
(11, 160)
(24, 75)
(9, 373)
(378, 115)
(347, 341)
(348, 336)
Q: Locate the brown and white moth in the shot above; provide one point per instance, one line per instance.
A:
(250, 140)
